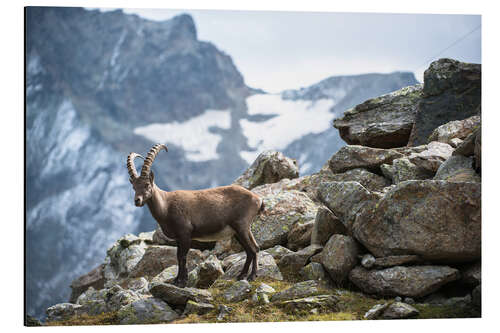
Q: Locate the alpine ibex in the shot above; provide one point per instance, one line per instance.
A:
(204, 215)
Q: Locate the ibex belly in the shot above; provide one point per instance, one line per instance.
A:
(225, 233)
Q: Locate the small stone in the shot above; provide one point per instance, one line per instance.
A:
(400, 310)
(199, 308)
(409, 300)
(264, 288)
(223, 311)
(367, 261)
(398, 299)
(238, 291)
(376, 311)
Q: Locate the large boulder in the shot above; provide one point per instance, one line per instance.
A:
(346, 200)
(94, 278)
(452, 91)
(267, 267)
(269, 167)
(413, 281)
(455, 129)
(326, 224)
(144, 311)
(439, 221)
(282, 211)
(158, 257)
(381, 122)
(339, 256)
(208, 271)
(355, 156)
(458, 169)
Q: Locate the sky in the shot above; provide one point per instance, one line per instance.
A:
(279, 50)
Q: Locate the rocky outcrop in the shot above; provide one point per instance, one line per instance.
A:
(414, 281)
(452, 91)
(437, 220)
(269, 167)
(381, 122)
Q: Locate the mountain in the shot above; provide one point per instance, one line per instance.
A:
(102, 84)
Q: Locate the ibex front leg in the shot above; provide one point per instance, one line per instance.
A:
(183, 245)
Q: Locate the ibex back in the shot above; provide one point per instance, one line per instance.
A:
(204, 215)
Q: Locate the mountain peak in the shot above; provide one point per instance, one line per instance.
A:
(183, 26)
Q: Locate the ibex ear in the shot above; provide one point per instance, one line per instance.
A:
(151, 177)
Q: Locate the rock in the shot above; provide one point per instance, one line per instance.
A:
(381, 122)
(413, 281)
(260, 298)
(138, 285)
(398, 299)
(223, 311)
(455, 142)
(402, 170)
(278, 251)
(197, 308)
(367, 261)
(339, 256)
(282, 211)
(117, 297)
(456, 129)
(94, 278)
(319, 302)
(459, 302)
(269, 167)
(232, 259)
(437, 220)
(267, 267)
(457, 169)
(294, 261)
(409, 300)
(179, 296)
(471, 274)
(432, 158)
(143, 311)
(452, 91)
(237, 292)
(93, 301)
(264, 288)
(391, 261)
(467, 147)
(298, 290)
(476, 296)
(399, 310)
(345, 200)
(369, 180)
(209, 271)
(325, 225)
(299, 235)
(352, 157)
(376, 311)
(31, 321)
(123, 256)
(314, 271)
(158, 257)
(62, 311)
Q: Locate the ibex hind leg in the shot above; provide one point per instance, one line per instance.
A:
(255, 265)
(244, 239)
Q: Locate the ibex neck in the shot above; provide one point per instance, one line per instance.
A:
(158, 204)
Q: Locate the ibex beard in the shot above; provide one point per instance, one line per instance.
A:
(203, 215)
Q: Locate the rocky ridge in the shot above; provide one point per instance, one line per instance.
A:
(403, 232)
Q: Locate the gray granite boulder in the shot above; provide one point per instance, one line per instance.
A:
(179, 296)
(144, 311)
(339, 256)
(325, 225)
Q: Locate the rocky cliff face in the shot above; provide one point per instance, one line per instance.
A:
(100, 85)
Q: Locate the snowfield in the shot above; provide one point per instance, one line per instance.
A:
(194, 135)
(293, 120)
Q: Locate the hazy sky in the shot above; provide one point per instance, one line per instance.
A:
(288, 50)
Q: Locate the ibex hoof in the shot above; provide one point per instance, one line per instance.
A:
(180, 283)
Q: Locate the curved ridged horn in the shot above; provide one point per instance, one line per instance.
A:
(146, 167)
(131, 166)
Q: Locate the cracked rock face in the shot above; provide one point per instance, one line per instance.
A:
(413, 281)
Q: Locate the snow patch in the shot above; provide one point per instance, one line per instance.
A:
(193, 135)
(293, 120)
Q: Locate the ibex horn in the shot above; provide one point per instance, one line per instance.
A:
(131, 166)
(146, 167)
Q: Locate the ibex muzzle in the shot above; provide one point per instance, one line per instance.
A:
(204, 215)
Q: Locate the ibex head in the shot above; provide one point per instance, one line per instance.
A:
(143, 184)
